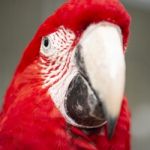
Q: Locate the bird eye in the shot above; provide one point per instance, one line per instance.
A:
(45, 45)
(46, 42)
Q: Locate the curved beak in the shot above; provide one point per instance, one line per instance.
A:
(102, 50)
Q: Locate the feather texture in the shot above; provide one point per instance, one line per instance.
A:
(29, 120)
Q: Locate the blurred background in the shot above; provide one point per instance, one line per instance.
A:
(19, 20)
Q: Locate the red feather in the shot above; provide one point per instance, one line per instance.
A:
(29, 119)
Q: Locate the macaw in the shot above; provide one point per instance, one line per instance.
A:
(67, 92)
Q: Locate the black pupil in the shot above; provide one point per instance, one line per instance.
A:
(46, 42)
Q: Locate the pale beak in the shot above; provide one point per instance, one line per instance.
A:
(102, 50)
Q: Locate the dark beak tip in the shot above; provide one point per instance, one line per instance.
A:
(111, 124)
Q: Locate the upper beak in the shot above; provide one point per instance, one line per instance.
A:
(102, 50)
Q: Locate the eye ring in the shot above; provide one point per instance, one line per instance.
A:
(45, 45)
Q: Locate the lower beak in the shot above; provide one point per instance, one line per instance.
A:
(102, 50)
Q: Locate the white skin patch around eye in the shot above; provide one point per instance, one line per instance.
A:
(61, 40)
(45, 45)
(57, 53)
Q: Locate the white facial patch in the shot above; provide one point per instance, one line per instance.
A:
(104, 60)
(58, 55)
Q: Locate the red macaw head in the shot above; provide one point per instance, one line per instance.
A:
(77, 57)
